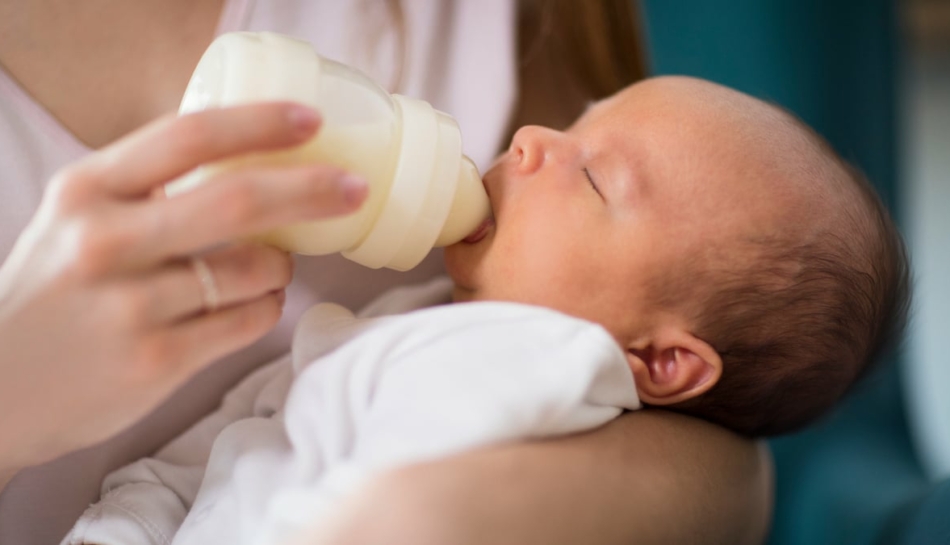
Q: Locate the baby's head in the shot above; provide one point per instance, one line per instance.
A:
(749, 274)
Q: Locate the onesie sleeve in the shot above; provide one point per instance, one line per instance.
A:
(145, 502)
(456, 379)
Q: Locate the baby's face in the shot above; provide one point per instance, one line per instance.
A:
(642, 183)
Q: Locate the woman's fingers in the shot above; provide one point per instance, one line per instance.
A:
(116, 236)
(168, 148)
(191, 344)
(239, 273)
(235, 205)
(74, 292)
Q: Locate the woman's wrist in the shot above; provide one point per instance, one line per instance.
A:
(12, 441)
(24, 442)
(13, 458)
(9, 466)
(27, 442)
(6, 475)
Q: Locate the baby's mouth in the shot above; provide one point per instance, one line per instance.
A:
(480, 231)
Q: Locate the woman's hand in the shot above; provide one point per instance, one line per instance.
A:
(103, 313)
(649, 477)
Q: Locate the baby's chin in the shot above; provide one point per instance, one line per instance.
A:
(463, 263)
(462, 294)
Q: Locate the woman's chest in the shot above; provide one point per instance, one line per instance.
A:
(102, 68)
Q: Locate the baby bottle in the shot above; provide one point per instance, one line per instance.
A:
(422, 191)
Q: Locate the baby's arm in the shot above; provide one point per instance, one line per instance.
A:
(146, 501)
(467, 376)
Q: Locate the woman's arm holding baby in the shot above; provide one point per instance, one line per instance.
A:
(648, 477)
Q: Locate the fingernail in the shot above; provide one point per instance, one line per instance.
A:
(354, 189)
(304, 119)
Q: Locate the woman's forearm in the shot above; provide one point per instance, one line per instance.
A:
(649, 477)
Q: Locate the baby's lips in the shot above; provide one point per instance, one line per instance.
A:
(480, 231)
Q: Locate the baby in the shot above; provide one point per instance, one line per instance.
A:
(747, 272)
(682, 245)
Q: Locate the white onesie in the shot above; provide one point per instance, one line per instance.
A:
(356, 396)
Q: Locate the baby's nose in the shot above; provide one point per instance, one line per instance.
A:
(531, 145)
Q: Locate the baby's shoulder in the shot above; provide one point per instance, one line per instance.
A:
(499, 322)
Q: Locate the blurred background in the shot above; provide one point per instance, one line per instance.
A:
(873, 76)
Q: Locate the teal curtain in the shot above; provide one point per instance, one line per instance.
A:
(832, 62)
(852, 478)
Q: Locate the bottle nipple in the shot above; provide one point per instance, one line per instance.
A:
(470, 206)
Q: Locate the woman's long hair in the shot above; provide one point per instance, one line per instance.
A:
(597, 42)
(571, 52)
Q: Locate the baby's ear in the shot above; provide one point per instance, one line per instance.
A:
(673, 366)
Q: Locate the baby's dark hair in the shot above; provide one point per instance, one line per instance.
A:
(798, 322)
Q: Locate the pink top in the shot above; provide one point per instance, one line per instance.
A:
(460, 58)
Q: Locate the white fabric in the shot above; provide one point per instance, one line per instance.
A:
(365, 394)
(460, 57)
